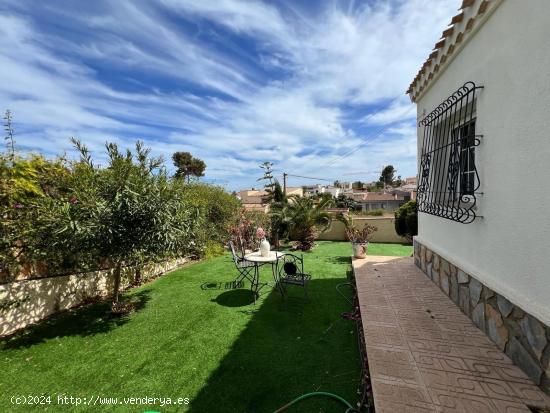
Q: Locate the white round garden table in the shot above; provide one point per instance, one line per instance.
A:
(272, 258)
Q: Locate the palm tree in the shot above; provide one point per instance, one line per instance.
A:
(279, 213)
(306, 219)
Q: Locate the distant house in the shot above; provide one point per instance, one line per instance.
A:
(370, 201)
(294, 190)
(253, 200)
(407, 191)
(335, 191)
(407, 195)
(483, 107)
(410, 181)
(312, 190)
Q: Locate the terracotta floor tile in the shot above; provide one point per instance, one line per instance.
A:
(424, 354)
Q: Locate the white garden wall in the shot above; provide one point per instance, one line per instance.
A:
(28, 301)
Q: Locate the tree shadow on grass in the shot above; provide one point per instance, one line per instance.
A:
(83, 321)
(340, 260)
(235, 298)
(288, 348)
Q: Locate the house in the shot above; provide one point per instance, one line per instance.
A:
(370, 201)
(312, 190)
(483, 105)
(408, 191)
(401, 192)
(294, 190)
(410, 181)
(253, 200)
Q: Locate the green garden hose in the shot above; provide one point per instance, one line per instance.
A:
(349, 409)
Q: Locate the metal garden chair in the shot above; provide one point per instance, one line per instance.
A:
(291, 272)
(246, 269)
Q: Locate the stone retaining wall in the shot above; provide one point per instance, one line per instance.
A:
(521, 336)
(28, 301)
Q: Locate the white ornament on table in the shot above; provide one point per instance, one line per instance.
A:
(264, 248)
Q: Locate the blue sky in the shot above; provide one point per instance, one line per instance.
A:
(315, 87)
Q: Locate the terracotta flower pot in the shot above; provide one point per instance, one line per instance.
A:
(360, 249)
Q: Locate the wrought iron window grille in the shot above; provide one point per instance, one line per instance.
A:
(447, 178)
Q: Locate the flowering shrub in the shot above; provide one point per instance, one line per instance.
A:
(246, 232)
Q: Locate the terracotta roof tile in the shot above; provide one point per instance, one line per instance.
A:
(458, 18)
(440, 44)
(448, 44)
(448, 32)
(375, 196)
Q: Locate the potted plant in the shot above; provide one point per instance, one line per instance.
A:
(359, 238)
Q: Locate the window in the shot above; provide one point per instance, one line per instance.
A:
(448, 178)
(466, 136)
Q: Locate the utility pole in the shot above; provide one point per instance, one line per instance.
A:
(284, 182)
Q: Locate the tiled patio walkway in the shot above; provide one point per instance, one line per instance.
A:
(425, 355)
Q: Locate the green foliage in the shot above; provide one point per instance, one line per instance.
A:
(25, 183)
(213, 249)
(343, 201)
(406, 220)
(398, 182)
(64, 216)
(387, 175)
(188, 166)
(269, 186)
(10, 141)
(376, 187)
(215, 211)
(279, 205)
(304, 219)
(358, 185)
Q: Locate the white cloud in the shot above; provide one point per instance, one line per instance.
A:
(399, 110)
(297, 96)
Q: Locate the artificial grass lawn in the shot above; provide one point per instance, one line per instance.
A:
(193, 336)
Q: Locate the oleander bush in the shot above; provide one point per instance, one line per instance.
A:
(65, 216)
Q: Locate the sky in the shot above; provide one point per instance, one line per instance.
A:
(316, 87)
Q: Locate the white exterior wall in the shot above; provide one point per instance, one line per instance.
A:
(509, 248)
(330, 190)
